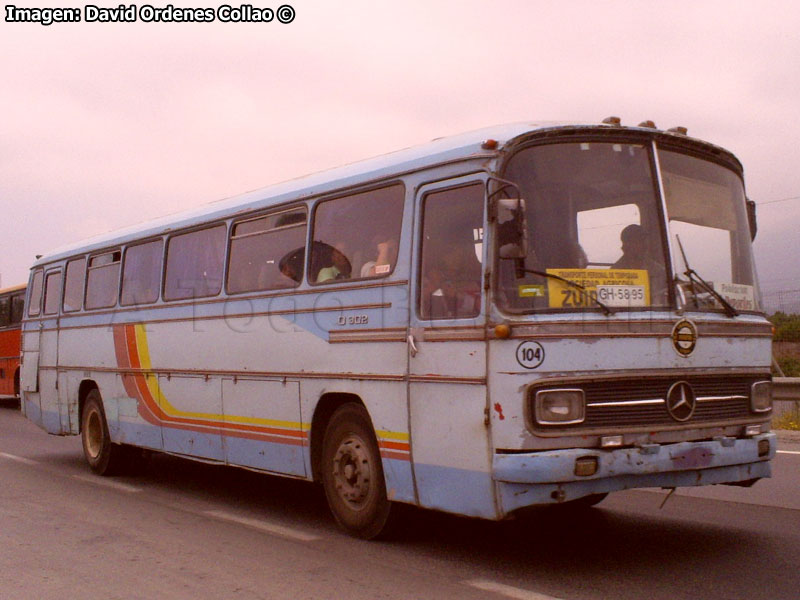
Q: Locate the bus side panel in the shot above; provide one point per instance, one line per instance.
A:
(129, 420)
(7, 368)
(196, 396)
(47, 377)
(9, 359)
(265, 414)
(29, 372)
(450, 448)
(98, 354)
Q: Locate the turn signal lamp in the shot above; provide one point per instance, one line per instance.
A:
(585, 466)
(763, 447)
(502, 331)
(559, 407)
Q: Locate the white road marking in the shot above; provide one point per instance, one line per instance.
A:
(19, 459)
(788, 452)
(263, 526)
(123, 487)
(507, 590)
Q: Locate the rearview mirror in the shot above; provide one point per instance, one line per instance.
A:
(512, 228)
(751, 218)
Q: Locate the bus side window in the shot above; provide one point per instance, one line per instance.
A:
(73, 286)
(5, 311)
(357, 236)
(452, 242)
(17, 307)
(141, 273)
(35, 306)
(102, 283)
(52, 293)
(258, 247)
(195, 262)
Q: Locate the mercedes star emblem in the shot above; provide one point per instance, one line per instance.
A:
(681, 401)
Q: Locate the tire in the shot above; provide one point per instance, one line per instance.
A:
(104, 458)
(352, 473)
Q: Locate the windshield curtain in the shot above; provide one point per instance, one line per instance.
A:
(593, 218)
(708, 221)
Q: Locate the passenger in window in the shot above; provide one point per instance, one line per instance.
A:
(637, 254)
(385, 255)
(452, 283)
(635, 250)
(291, 265)
(338, 267)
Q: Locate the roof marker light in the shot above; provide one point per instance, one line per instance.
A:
(490, 145)
(612, 121)
(649, 124)
(679, 130)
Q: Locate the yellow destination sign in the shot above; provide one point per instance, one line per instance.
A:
(612, 287)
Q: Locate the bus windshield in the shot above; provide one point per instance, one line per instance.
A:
(594, 218)
(709, 230)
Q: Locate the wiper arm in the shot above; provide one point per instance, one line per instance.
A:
(694, 278)
(606, 309)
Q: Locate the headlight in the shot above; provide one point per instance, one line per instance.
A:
(559, 407)
(761, 396)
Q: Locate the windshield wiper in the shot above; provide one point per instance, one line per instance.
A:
(584, 292)
(695, 279)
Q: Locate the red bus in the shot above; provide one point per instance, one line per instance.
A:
(12, 301)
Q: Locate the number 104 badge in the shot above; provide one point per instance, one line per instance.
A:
(530, 354)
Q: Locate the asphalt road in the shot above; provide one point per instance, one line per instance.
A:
(178, 529)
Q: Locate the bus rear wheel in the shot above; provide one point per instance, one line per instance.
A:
(352, 473)
(104, 458)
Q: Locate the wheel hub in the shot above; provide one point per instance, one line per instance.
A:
(352, 471)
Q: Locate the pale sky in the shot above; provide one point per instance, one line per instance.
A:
(105, 125)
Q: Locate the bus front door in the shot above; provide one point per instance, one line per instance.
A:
(447, 351)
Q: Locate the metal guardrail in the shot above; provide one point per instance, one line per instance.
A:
(786, 388)
(786, 396)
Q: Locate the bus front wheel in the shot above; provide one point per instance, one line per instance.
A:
(352, 473)
(104, 458)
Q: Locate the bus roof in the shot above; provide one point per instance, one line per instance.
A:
(13, 288)
(441, 150)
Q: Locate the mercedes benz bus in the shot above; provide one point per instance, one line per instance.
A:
(528, 314)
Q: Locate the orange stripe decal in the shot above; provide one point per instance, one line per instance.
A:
(153, 410)
(132, 353)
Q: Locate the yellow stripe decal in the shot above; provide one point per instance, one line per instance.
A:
(152, 384)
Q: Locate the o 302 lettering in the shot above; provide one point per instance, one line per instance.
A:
(353, 320)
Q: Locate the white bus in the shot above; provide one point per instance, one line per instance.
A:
(523, 315)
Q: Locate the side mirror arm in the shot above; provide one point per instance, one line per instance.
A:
(751, 218)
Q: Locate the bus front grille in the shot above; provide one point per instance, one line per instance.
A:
(642, 402)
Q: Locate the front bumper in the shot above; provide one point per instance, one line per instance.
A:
(549, 477)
